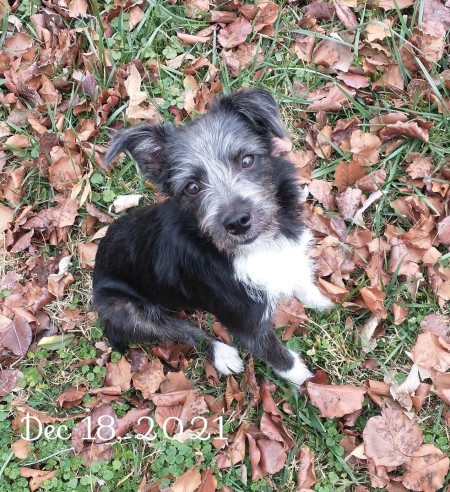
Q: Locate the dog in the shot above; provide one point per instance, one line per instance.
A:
(229, 240)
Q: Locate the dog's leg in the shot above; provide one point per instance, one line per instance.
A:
(131, 319)
(262, 342)
(311, 297)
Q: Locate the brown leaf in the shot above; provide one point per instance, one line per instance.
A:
(303, 47)
(408, 129)
(18, 141)
(188, 482)
(345, 15)
(16, 337)
(119, 374)
(6, 217)
(389, 439)
(243, 57)
(374, 298)
(437, 11)
(321, 191)
(235, 452)
(444, 230)
(335, 401)
(436, 323)
(77, 8)
(194, 8)
(366, 146)
(319, 10)
(255, 458)
(149, 378)
(333, 55)
(347, 174)
(191, 39)
(372, 181)
(400, 313)
(267, 14)
(38, 477)
(419, 166)
(306, 475)
(426, 469)
(234, 34)
(273, 456)
(354, 80)
(71, 398)
(9, 380)
(431, 352)
(394, 4)
(209, 482)
(348, 202)
(21, 448)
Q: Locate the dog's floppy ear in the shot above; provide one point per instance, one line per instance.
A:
(258, 106)
(146, 144)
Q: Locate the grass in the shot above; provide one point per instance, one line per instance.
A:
(333, 343)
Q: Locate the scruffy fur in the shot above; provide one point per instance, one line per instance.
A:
(228, 241)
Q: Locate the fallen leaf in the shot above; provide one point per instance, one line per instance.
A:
(404, 129)
(348, 202)
(16, 337)
(321, 191)
(444, 230)
(345, 14)
(431, 352)
(419, 166)
(234, 34)
(9, 380)
(358, 217)
(235, 452)
(319, 10)
(21, 448)
(436, 323)
(119, 374)
(347, 174)
(306, 475)
(394, 4)
(365, 147)
(124, 202)
(403, 392)
(400, 313)
(6, 217)
(71, 398)
(425, 469)
(149, 378)
(335, 401)
(18, 141)
(188, 482)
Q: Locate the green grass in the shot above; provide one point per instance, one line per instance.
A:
(333, 343)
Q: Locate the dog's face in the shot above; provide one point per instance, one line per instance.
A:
(218, 168)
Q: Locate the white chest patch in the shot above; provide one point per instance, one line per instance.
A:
(279, 267)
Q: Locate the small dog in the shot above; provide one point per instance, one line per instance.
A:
(228, 241)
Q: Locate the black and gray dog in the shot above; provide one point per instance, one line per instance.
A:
(228, 241)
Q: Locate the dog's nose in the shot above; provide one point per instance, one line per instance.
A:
(237, 223)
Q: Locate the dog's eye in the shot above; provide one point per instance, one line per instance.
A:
(248, 160)
(192, 188)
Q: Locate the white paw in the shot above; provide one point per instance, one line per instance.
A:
(226, 359)
(314, 299)
(299, 373)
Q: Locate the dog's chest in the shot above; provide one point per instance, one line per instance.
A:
(278, 267)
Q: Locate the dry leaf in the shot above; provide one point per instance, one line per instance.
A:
(306, 475)
(234, 34)
(335, 401)
(119, 374)
(348, 202)
(149, 378)
(431, 352)
(188, 482)
(124, 202)
(391, 437)
(426, 469)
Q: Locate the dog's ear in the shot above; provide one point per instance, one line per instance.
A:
(258, 106)
(146, 144)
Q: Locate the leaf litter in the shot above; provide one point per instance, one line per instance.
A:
(405, 250)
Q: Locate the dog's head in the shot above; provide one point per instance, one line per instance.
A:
(219, 167)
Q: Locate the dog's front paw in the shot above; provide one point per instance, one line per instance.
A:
(226, 359)
(314, 299)
(299, 372)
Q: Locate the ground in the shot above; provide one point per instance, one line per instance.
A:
(363, 89)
